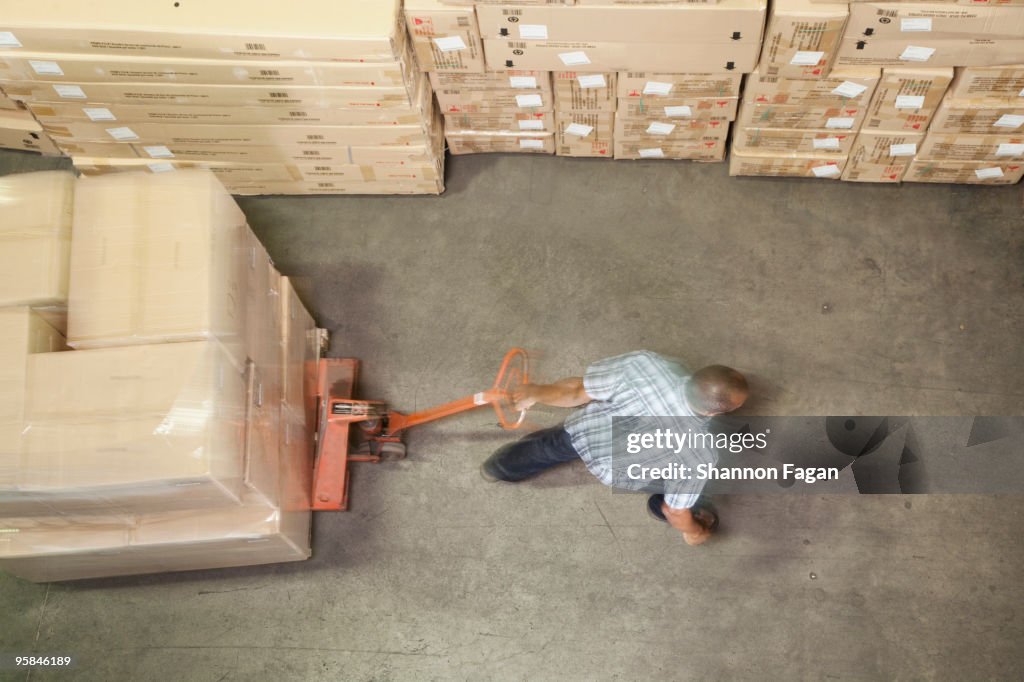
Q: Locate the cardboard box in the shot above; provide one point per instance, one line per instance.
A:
(929, 52)
(687, 109)
(802, 38)
(960, 147)
(20, 131)
(666, 130)
(585, 133)
(707, 147)
(597, 57)
(528, 81)
(979, 116)
(35, 237)
(906, 98)
(638, 84)
(55, 113)
(236, 135)
(576, 91)
(881, 156)
(259, 173)
(994, 81)
(394, 156)
(783, 141)
(458, 101)
(445, 38)
(479, 142)
(328, 187)
(850, 85)
(515, 121)
(74, 68)
(73, 548)
(965, 172)
(739, 21)
(162, 94)
(793, 166)
(933, 21)
(135, 429)
(8, 104)
(22, 333)
(372, 29)
(155, 258)
(840, 119)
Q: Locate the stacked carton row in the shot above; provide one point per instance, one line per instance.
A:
(326, 100)
(977, 133)
(19, 129)
(177, 434)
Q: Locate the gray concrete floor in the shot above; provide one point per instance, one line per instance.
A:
(836, 298)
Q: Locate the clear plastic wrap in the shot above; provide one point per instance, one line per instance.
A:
(301, 343)
(135, 429)
(156, 258)
(35, 237)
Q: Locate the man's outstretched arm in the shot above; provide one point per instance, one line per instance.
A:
(567, 392)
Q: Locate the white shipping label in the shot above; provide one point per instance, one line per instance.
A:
(652, 153)
(7, 39)
(1021, 93)
(578, 129)
(159, 152)
(531, 144)
(802, 58)
(827, 171)
(531, 124)
(986, 173)
(450, 43)
(658, 128)
(529, 101)
(660, 88)
(848, 89)
(842, 123)
(70, 91)
(917, 54)
(909, 24)
(909, 101)
(1010, 121)
(44, 68)
(574, 58)
(825, 143)
(99, 114)
(161, 167)
(681, 111)
(908, 149)
(533, 32)
(522, 82)
(122, 133)
(1010, 149)
(592, 80)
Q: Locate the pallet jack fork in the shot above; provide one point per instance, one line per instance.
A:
(351, 430)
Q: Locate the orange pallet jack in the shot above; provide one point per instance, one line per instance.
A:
(351, 430)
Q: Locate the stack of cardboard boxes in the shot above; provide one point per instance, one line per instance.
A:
(484, 110)
(326, 100)
(177, 435)
(977, 134)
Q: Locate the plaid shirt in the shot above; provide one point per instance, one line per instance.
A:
(639, 384)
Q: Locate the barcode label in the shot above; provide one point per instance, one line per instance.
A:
(256, 47)
(269, 72)
(321, 168)
(279, 95)
(517, 45)
(310, 152)
(512, 12)
(314, 137)
(325, 184)
(463, 22)
(299, 114)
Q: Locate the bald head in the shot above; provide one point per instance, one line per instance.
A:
(716, 389)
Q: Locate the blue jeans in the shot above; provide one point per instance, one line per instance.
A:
(531, 455)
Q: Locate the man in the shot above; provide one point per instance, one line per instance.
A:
(639, 384)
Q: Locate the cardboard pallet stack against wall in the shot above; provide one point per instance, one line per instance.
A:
(977, 134)
(177, 433)
(324, 101)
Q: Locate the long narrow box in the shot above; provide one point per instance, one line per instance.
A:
(881, 156)
(802, 38)
(965, 172)
(993, 81)
(363, 30)
(913, 51)
(845, 118)
(155, 258)
(965, 147)
(352, 155)
(641, 84)
(35, 237)
(728, 21)
(478, 142)
(598, 57)
(783, 141)
(851, 85)
(929, 21)
(980, 117)
(543, 120)
(792, 165)
(682, 109)
(708, 146)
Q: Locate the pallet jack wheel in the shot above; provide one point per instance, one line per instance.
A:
(391, 452)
